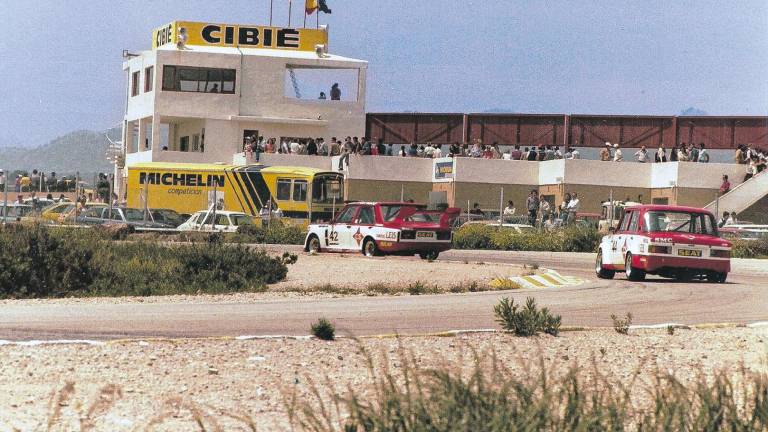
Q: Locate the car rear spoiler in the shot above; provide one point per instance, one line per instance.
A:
(449, 215)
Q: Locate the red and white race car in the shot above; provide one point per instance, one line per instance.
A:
(378, 228)
(669, 241)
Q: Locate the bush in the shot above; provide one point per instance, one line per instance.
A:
(276, 233)
(528, 321)
(569, 239)
(750, 248)
(323, 329)
(622, 325)
(58, 262)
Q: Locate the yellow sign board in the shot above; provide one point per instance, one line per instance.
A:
(244, 36)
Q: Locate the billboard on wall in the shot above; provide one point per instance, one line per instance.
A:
(443, 170)
(243, 36)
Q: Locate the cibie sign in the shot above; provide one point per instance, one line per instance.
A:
(244, 36)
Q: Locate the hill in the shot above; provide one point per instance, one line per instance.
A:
(82, 151)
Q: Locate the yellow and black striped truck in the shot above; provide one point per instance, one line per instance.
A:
(297, 192)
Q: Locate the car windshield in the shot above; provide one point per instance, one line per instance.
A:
(167, 216)
(679, 221)
(241, 219)
(133, 215)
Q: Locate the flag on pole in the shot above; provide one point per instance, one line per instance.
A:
(323, 6)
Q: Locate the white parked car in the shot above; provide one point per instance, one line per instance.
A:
(225, 221)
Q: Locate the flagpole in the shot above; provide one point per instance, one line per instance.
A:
(317, 25)
(270, 12)
(305, 17)
(290, 6)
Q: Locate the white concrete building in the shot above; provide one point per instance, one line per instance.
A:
(195, 100)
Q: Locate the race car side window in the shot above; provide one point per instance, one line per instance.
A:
(625, 221)
(365, 217)
(346, 215)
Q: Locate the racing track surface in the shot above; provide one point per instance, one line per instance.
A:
(743, 299)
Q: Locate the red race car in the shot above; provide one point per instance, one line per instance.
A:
(669, 241)
(379, 228)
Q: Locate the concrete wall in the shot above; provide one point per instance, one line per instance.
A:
(488, 195)
(614, 174)
(142, 105)
(278, 159)
(391, 168)
(387, 190)
(499, 171)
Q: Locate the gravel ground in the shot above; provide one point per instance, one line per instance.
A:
(170, 382)
(353, 272)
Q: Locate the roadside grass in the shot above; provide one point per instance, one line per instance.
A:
(413, 288)
(43, 262)
(491, 395)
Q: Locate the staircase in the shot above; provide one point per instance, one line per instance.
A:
(743, 196)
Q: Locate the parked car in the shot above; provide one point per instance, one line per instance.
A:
(226, 221)
(65, 211)
(137, 218)
(669, 241)
(15, 212)
(377, 228)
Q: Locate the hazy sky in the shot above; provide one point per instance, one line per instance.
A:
(60, 60)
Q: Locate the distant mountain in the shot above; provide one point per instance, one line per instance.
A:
(499, 111)
(82, 151)
(693, 111)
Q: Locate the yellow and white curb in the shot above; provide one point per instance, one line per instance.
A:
(548, 279)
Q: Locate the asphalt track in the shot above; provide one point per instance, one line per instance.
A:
(743, 299)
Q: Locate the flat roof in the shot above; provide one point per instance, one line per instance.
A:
(260, 52)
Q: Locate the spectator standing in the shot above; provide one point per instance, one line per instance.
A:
(642, 155)
(564, 208)
(732, 220)
(723, 220)
(509, 211)
(312, 147)
(413, 150)
(382, 149)
(403, 152)
(617, 156)
(542, 153)
(335, 147)
(428, 150)
(26, 183)
(365, 147)
(544, 209)
(496, 151)
(573, 207)
(476, 210)
(673, 154)
(549, 153)
(682, 153)
(661, 155)
(532, 204)
(703, 154)
(487, 152)
(738, 156)
(390, 150)
(531, 153)
(322, 147)
(605, 153)
(558, 153)
(575, 153)
(693, 153)
(477, 149)
(335, 92)
(751, 169)
(35, 180)
(437, 151)
(725, 186)
(516, 154)
(454, 150)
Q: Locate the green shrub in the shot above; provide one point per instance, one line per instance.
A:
(473, 236)
(569, 239)
(323, 329)
(59, 262)
(750, 248)
(276, 233)
(526, 321)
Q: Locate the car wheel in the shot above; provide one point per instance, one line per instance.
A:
(430, 256)
(602, 272)
(633, 274)
(313, 245)
(717, 277)
(369, 248)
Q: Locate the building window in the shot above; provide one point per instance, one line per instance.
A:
(149, 79)
(135, 84)
(196, 142)
(198, 80)
(184, 144)
(283, 189)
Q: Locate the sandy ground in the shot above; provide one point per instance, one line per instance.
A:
(342, 271)
(163, 383)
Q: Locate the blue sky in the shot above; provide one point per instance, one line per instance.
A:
(61, 67)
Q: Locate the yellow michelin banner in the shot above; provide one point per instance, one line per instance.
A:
(245, 36)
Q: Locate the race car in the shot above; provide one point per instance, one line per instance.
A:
(379, 228)
(669, 241)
